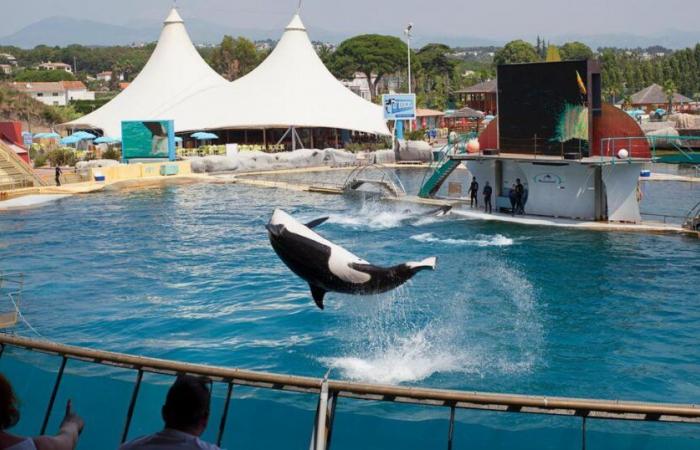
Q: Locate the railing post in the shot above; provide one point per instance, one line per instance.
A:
(224, 414)
(323, 422)
(132, 405)
(451, 430)
(2, 349)
(59, 376)
(583, 433)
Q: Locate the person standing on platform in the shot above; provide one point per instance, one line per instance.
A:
(487, 197)
(513, 201)
(59, 172)
(474, 192)
(519, 196)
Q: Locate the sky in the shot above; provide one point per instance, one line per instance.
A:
(494, 19)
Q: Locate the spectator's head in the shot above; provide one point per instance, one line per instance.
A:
(517, 180)
(9, 414)
(487, 183)
(187, 405)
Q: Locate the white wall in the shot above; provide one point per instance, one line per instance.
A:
(80, 95)
(560, 190)
(621, 181)
(48, 98)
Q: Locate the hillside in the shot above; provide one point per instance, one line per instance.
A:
(15, 105)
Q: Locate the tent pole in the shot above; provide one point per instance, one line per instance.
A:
(265, 138)
(301, 143)
(337, 142)
(311, 132)
(284, 136)
(294, 142)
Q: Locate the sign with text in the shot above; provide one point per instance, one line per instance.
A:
(399, 106)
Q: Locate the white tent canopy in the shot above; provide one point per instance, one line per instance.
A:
(175, 71)
(291, 88)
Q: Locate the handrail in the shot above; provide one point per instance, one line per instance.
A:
(591, 408)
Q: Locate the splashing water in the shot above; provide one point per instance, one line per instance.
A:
(497, 240)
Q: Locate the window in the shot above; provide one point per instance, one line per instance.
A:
(39, 94)
(55, 94)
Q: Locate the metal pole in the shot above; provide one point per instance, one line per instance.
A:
(451, 431)
(583, 433)
(333, 403)
(132, 405)
(322, 418)
(59, 376)
(224, 414)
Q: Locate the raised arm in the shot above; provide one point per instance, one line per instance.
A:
(67, 437)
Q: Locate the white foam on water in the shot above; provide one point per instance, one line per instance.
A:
(497, 240)
(409, 359)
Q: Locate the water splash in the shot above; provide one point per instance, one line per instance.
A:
(497, 240)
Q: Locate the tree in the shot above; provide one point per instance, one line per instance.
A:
(373, 55)
(670, 91)
(515, 52)
(553, 54)
(43, 75)
(575, 50)
(234, 58)
(436, 74)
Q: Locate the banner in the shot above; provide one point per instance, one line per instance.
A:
(153, 139)
(399, 106)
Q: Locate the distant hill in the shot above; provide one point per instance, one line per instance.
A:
(64, 31)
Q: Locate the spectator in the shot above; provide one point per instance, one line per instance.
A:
(474, 192)
(185, 413)
(66, 439)
(487, 197)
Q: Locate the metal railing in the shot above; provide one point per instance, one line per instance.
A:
(330, 391)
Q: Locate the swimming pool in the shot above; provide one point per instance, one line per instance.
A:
(187, 273)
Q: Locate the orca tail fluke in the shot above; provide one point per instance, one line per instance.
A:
(427, 263)
(317, 293)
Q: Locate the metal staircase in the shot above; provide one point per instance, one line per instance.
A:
(444, 167)
(14, 172)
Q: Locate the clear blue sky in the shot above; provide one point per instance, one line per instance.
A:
(498, 19)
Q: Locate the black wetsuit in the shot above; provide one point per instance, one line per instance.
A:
(474, 191)
(519, 196)
(513, 201)
(487, 198)
(58, 176)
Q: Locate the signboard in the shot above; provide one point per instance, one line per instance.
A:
(153, 139)
(399, 106)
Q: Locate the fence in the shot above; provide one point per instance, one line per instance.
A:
(329, 393)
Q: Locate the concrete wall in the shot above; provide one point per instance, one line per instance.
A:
(136, 171)
(621, 182)
(566, 190)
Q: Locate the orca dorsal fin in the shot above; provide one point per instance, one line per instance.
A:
(317, 293)
(316, 222)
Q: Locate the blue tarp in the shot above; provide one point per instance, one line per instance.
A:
(204, 136)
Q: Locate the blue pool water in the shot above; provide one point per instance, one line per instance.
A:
(187, 273)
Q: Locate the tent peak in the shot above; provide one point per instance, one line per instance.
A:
(296, 24)
(173, 17)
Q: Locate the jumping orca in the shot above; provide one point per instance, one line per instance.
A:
(328, 267)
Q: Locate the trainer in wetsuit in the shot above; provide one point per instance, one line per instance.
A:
(519, 196)
(474, 191)
(487, 197)
(511, 197)
(59, 172)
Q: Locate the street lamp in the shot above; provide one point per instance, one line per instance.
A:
(407, 32)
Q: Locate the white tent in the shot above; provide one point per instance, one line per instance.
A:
(174, 72)
(291, 88)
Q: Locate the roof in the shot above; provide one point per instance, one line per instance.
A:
(54, 64)
(465, 112)
(175, 71)
(420, 112)
(655, 95)
(488, 86)
(291, 87)
(47, 86)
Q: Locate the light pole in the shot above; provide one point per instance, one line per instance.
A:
(407, 32)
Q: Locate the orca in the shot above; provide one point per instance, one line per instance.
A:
(327, 267)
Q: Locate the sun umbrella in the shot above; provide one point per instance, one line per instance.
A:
(70, 140)
(178, 139)
(106, 140)
(204, 136)
(84, 135)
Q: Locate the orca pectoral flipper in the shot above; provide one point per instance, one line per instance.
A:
(317, 293)
(316, 222)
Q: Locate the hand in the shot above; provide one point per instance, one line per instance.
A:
(72, 418)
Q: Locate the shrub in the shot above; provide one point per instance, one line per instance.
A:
(39, 160)
(112, 153)
(62, 157)
(415, 135)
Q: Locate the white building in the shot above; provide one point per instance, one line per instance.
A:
(105, 76)
(58, 93)
(56, 66)
(10, 58)
(359, 85)
(6, 69)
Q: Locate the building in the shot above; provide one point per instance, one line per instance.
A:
(6, 69)
(9, 58)
(56, 66)
(429, 118)
(58, 93)
(653, 97)
(359, 85)
(481, 97)
(105, 76)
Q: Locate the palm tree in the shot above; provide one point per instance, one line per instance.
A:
(670, 91)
